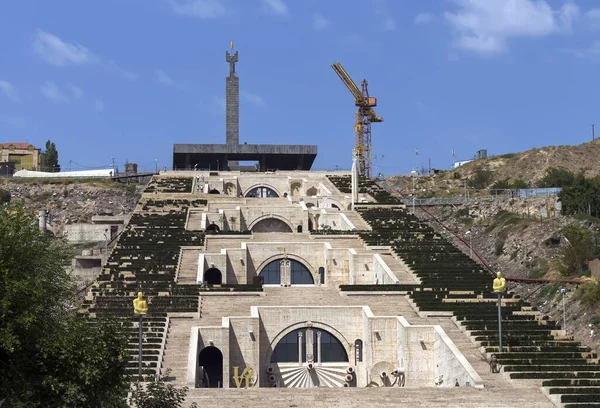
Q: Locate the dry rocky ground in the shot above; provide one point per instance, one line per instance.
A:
(74, 202)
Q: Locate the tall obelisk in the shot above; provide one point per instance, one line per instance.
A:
(232, 104)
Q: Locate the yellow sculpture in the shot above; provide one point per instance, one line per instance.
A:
(247, 375)
(499, 283)
(140, 306)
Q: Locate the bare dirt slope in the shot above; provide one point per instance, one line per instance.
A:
(73, 201)
(533, 164)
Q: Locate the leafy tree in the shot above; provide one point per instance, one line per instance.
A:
(481, 179)
(578, 250)
(556, 178)
(519, 183)
(158, 395)
(49, 354)
(52, 158)
(581, 197)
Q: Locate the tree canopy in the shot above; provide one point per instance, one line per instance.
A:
(51, 160)
(50, 355)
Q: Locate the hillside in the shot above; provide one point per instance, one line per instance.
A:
(73, 201)
(533, 164)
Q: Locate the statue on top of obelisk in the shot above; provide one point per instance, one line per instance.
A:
(232, 59)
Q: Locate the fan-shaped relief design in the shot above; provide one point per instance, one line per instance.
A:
(318, 376)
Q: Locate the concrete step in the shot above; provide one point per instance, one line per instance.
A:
(444, 397)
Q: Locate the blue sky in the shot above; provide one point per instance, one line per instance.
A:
(128, 78)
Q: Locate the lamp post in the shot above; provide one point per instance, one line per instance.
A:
(140, 308)
(413, 190)
(563, 291)
(499, 286)
(470, 247)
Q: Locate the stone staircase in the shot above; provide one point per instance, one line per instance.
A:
(359, 223)
(175, 355)
(403, 274)
(194, 221)
(188, 265)
(442, 397)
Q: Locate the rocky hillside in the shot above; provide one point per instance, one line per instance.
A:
(533, 164)
(73, 201)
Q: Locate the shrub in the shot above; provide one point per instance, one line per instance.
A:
(463, 212)
(589, 293)
(481, 179)
(578, 250)
(557, 178)
(4, 196)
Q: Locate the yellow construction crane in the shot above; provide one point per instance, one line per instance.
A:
(365, 115)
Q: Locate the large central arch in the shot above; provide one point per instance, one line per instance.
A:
(261, 190)
(299, 273)
(316, 325)
(271, 223)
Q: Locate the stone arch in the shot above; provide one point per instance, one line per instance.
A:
(213, 227)
(214, 191)
(272, 217)
(211, 358)
(295, 187)
(311, 269)
(315, 325)
(312, 191)
(213, 276)
(252, 187)
(310, 205)
(230, 189)
(334, 205)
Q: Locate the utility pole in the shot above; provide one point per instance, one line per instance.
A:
(593, 135)
(563, 291)
(113, 166)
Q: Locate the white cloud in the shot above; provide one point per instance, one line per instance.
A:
(163, 78)
(112, 67)
(485, 26)
(387, 22)
(276, 6)
(53, 93)
(76, 92)
(320, 22)
(254, 99)
(202, 9)
(58, 52)
(424, 18)
(9, 90)
(99, 105)
(593, 51)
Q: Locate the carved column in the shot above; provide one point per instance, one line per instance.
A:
(285, 272)
(310, 355)
(319, 347)
(300, 347)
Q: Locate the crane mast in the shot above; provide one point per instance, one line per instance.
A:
(364, 116)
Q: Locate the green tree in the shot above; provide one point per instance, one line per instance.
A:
(581, 197)
(158, 394)
(556, 178)
(481, 179)
(578, 250)
(50, 355)
(52, 158)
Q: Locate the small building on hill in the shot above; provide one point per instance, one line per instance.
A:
(25, 156)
